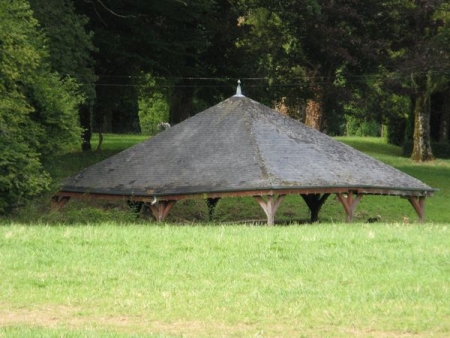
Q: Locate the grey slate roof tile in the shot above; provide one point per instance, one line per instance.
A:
(237, 145)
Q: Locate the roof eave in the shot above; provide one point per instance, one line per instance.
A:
(260, 191)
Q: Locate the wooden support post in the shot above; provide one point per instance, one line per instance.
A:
(161, 209)
(211, 203)
(314, 203)
(349, 203)
(58, 202)
(270, 206)
(418, 204)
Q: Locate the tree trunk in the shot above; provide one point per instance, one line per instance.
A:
(422, 151)
(445, 118)
(85, 123)
(181, 104)
(314, 109)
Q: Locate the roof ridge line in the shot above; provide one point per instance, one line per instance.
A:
(264, 169)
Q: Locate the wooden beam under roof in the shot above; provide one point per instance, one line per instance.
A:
(349, 197)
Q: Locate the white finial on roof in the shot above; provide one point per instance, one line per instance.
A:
(238, 90)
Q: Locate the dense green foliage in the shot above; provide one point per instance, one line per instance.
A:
(70, 51)
(38, 109)
(153, 107)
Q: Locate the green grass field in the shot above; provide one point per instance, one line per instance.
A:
(96, 270)
(231, 281)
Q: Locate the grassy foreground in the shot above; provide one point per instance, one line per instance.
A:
(334, 280)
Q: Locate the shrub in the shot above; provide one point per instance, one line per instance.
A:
(360, 127)
(153, 107)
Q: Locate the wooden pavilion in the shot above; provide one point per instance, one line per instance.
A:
(240, 147)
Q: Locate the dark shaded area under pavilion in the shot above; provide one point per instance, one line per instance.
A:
(240, 147)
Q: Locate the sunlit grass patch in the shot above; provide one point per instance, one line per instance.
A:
(285, 281)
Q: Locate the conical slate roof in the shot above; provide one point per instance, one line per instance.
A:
(236, 146)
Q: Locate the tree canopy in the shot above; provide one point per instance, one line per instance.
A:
(38, 108)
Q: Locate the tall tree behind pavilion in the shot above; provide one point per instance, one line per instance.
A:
(174, 40)
(335, 42)
(421, 62)
(71, 50)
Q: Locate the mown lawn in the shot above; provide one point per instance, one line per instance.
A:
(124, 280)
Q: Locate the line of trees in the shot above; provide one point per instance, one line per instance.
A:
(70, 68)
